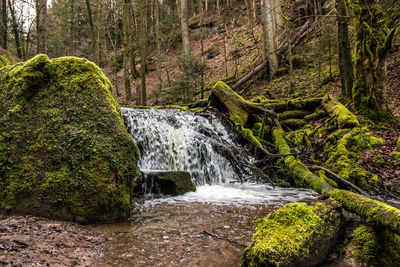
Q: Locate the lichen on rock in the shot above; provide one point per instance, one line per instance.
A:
(64, 150)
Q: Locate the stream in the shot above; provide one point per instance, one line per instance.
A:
(208, 227)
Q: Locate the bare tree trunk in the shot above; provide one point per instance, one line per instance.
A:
(98, 33)
(158, 43)
(4, 28)
(270, 36)
(15, 30)
(92, 30)
(143, 41)
(72, 27)
(41, 17)
(185, 43)
(345, 58)
(202, 50)
(126, 36)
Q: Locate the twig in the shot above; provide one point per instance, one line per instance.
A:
(222, 238)
(340, 179)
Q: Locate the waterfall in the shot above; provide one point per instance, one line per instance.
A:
(171, 139)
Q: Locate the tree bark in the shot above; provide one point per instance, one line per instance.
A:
(282, 50)
(4, 28)
(15, 29)
(126, 37)
(41, 18)
(270, 36)
(158, 43)
(142, 45)
(345, 57)
(185, 44)
(372, 48)
(92, 30)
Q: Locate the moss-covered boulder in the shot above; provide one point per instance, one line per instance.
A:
(296, 235)
(169, 182)
(64, 150)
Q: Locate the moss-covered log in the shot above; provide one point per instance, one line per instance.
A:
(308, 104)
(65, 152)
(374, 211)
(296, 168)
(341, 116)
(379, 247)
(226, 100)
(296, 235)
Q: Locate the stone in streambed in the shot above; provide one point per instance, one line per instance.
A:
(169, 182)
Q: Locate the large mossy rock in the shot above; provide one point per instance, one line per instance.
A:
(64, 150)
(169, 182)
(296, 235)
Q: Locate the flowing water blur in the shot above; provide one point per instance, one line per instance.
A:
(209, 227)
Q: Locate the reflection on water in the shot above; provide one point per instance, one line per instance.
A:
(170, 231)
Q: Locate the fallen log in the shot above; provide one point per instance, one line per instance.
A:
(225, 99)
(381, 214)
(296, 235)
(339, 179)
(341, 116)
(281, 51)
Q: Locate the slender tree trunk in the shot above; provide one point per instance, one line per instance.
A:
(4, 28)
(72, 27)
(345, 58)
(158, 43)
(92, 30)
(202, 50)
(132, 54)
(143, 55)
(126, 36)
(185, 43)
(98, 32)
(270, 37)
(41, 18)
(15, 30)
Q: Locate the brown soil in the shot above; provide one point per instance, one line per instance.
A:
(30, 241)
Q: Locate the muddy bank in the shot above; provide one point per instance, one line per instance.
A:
(31, 241)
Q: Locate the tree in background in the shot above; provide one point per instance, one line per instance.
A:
(345, 58)
(4, 25)
(185, 45)
(373, 42)
(41, 19)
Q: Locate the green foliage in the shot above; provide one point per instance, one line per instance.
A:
(64, 150)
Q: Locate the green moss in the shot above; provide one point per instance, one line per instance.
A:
(294, 123)
(341, 116)
(378, 246)
(396, 157)
(232, 102)
(63, 147)
(376, 213)
(398, 143)
(288, 235)
(344, 148)
(366, 244)
(318, 114)
(295, 168)
(293, 114)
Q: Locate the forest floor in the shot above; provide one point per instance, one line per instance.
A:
(31, 241)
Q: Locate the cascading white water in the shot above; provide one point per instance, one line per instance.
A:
(177, 140)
